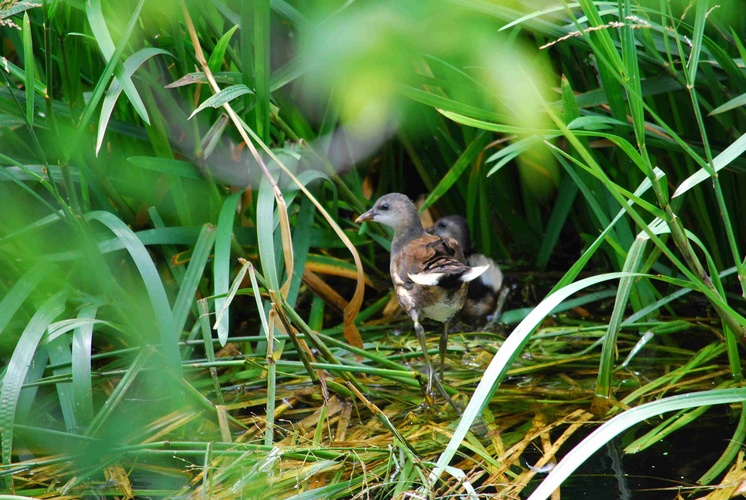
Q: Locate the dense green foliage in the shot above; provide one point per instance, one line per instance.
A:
(181, 285)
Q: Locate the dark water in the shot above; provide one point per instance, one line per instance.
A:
(664, 471)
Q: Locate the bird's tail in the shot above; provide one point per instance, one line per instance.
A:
(473, 273)
(493, 277)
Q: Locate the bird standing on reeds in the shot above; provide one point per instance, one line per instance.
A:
(429, 272)
(486, 295)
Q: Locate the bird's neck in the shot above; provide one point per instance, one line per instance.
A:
(404, 236)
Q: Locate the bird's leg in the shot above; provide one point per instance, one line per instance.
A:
(421, 337)
(438, 381)
(430, 370)
(499, 309)
(442, 346)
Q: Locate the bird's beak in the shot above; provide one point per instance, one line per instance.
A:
(366, 216)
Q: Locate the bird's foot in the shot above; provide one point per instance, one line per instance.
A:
(447, 397)
(434, 380)
(428, 401)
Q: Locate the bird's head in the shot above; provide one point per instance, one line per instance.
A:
(456, 227)
(394, 210)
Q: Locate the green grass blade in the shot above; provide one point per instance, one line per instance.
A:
(700, 18)
(568, 192)
(664, 429)
(228, 77)
(204, 327)
(706, 355)
(60, 355)
(170, 253)
(632, 264)
(216, 57)
(269, 331)
(235, 286)
(11, 9)
(730, 453)
(226, 95)
(19, 73)
(510, 152)
(721, 161)
(221, 264)
(49, 186)
(262, 69)
(193, 276)
(30, 396)
(632, 83)
(515, 316)
(28, 62)
(39, 224)
(585, 185)
(301, 245)
(466, 159)
(265, 234)
(610, 63)
(734, 103)
(496, 127)
(440, 102)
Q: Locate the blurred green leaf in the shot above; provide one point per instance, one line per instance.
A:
(167, 166)
(115, 89)
(21, 290)
(105, 43)
(81, 366)
(149, 274)
(112, 65)
(18, 366)
(230, 78)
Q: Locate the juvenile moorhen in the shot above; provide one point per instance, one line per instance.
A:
(484, 297)
(429, 272)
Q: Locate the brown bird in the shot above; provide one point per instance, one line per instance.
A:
(429, 272)
(484, 298)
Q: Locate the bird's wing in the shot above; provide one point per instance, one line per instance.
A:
(429, 260)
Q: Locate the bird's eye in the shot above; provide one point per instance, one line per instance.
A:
(442, 225)
(385, 207)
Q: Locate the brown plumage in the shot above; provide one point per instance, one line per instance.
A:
(484, 295)
(429, 272)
